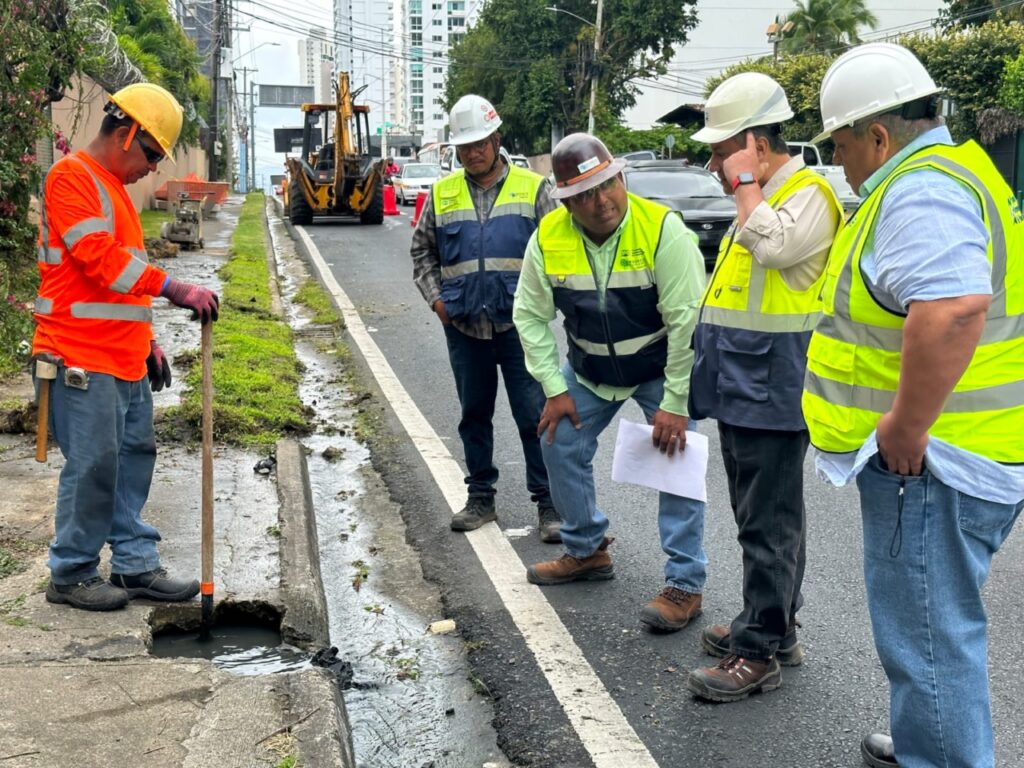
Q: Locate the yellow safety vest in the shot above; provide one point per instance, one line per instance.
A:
(854, 358)
(618, 338)
(743, 294)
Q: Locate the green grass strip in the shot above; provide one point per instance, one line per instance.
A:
(151, 221)
(256, 373)
(315, 298)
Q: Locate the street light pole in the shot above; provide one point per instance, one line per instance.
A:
(597, 68)
(595, 76)
(252, 135)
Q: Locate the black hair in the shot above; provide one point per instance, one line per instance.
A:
(773, 134)
(111, 124)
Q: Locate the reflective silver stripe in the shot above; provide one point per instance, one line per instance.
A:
(624, 347)
(129, 276)
(998, 306)
(47, 255)
(105, 205)
(759, 321)
(43, 306)
(105, 311)
(139, 253)
(634, 278)
(452, 216)
(490, 265)
(997, 398)
(573, 282)
(841, 299)
(891, 339)
(526, 210)
(83, 228)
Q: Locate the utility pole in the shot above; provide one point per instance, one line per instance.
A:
(597, 68)
(214, 116)
(252, 135)
(243, 132)
(383, 99)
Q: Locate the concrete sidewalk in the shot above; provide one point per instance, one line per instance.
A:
(82, 688)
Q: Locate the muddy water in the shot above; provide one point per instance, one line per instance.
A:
(411, 704)
(240, 650)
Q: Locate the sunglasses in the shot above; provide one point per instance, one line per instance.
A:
(589, 194)
(152, 156)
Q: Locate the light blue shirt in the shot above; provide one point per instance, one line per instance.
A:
(929, 243)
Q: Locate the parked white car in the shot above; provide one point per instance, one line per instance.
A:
(834, 174)
(413, 179)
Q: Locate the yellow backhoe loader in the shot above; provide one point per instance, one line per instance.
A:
(335, 174)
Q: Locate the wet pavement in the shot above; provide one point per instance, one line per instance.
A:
(413, 702)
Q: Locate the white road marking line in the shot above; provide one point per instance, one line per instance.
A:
(597, 719)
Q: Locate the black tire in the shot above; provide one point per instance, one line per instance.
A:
(299, 211)
(374, 213)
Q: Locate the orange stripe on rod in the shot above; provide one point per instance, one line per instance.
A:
(206, 588)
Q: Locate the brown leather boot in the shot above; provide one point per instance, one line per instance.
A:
(595, 567)
(671, 610)
(735, 678)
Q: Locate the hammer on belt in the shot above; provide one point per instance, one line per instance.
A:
(45, 371)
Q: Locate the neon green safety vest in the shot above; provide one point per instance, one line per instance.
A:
(854, 358)
(617, 338)
(743, 294)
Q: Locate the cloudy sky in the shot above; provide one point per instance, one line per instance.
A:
(728, 32)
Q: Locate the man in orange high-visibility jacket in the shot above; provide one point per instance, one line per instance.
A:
(93, 319)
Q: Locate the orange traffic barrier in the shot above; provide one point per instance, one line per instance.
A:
(421, 198)
(390, 209)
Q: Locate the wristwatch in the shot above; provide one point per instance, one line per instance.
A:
(744, 178)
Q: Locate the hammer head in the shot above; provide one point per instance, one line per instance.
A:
(45, 370)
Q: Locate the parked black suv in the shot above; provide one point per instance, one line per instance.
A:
(692, 191)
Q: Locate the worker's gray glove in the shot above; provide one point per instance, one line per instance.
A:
(202, 301)
(158, 368)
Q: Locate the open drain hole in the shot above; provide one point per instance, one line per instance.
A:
(245, 638)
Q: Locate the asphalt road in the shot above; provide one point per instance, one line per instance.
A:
(824, 707)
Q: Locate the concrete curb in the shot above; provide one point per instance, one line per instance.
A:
(305, 620)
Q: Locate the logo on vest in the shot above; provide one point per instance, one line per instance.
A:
(633, 259)
(1015, 211)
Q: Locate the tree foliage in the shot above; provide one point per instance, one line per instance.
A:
(827, 25)
(155, 42)
(800, 77)
(960, 14)
(535, 65)
(969, 63)
(39, 54)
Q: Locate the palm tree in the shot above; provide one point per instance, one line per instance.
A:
(827, 25)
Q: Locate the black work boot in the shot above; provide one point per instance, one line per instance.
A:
(478, 510)
(878, 752)
(550, 523)
(156, 585)
(93, 594)
(715, 640)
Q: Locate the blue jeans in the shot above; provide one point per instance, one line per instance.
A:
(475, 363)
(570, 469)
(106, 436)
(924, 568)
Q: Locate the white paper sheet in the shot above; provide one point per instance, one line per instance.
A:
(637, 461)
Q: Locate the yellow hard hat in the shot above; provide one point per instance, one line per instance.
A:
(155, 110)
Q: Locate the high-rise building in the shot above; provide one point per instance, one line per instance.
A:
(434, 26)
(364, 34)
(316, 64)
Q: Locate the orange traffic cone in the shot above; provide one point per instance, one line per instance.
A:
(421, 198)
(390, 209)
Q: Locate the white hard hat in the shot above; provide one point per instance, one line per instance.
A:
(743, 101)
(869, 80)
(472, 118)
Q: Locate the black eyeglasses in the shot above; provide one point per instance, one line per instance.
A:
(152, 156)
